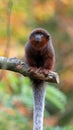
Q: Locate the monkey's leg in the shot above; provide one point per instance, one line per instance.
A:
(39, 99)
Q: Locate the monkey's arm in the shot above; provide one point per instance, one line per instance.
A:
(29, 56)
(49, 61)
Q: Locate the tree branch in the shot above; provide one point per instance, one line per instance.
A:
(17, 65)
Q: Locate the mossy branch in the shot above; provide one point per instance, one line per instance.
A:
(17, 65)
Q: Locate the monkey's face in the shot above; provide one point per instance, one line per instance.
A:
(39, 39)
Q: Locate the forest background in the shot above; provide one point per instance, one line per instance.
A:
(17, 19)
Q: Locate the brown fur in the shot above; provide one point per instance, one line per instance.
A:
(40, 55)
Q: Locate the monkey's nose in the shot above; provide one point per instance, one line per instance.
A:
(38, 38)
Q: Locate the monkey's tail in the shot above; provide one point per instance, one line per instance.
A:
(39, 99)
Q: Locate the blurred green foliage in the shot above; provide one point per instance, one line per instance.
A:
(21, 94)
(16, 98)
(10, 122)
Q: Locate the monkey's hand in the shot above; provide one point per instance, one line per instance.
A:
(39, 70)
(43, 71)
(32, 69)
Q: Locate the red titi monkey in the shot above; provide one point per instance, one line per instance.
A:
(40, 56)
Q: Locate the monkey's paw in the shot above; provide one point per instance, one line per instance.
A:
(42, 71)
(32, 69)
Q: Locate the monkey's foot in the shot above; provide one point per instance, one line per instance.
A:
(44, 74)
(39, 70)
(42, 71)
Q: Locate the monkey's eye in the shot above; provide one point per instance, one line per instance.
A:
(47, 37)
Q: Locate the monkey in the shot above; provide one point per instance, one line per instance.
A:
(40, 57)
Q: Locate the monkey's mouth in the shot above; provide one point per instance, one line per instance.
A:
(38, 42)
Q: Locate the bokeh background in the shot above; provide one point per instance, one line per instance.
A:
(17, 19)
